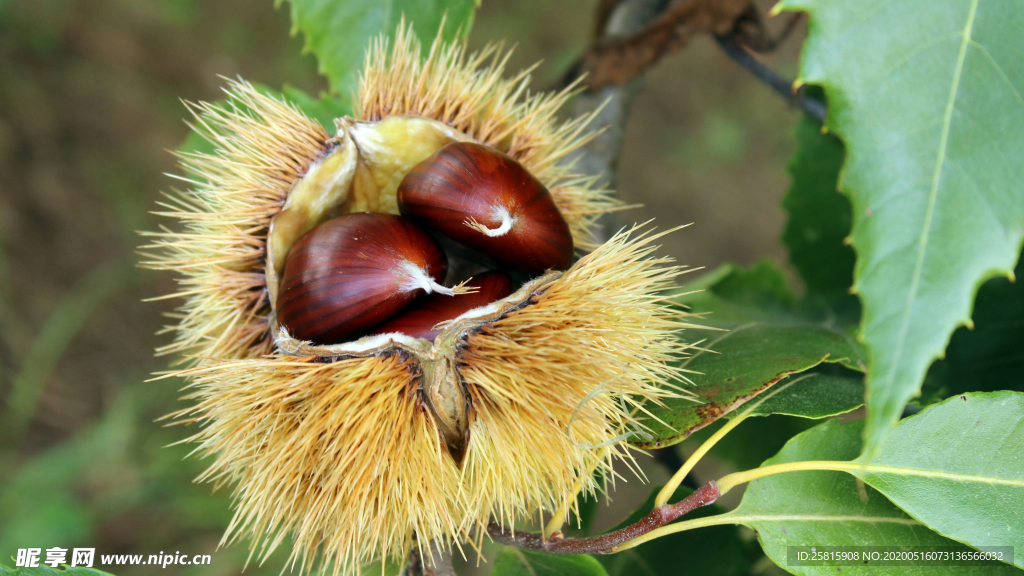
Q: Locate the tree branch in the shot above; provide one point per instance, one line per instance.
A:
(606, 543)
(814, 108)
(617, 59)
(600, 157)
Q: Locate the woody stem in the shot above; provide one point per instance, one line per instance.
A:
(606, 543)
(785, 88)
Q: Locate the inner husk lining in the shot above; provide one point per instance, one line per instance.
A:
(361, 173)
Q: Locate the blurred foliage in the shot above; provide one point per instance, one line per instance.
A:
(89, 106)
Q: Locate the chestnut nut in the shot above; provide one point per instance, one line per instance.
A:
(486, 200)
(420, 318)
(353, 272)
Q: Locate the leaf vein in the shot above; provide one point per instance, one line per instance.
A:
(883, 469)
(741, 519)
(947, 120)
(999, 70)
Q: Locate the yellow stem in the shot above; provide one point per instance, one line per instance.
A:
(687, 466)
(559, 518)
(677, 478)
(677, 527)
(730, 481)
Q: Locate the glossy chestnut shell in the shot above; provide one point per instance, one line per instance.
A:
(491, 203)
(420, 318)
(353, 272)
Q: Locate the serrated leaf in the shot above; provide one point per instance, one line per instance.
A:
(765, 342)
(958, 467)
(990, 355)
(339, 31)
(762, 285)
(825, 508)
(516, 562)
(819, 217)
(716, 550)
(927, 97)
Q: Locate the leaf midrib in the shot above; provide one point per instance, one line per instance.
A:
(748, 518)
(901, 471)
(855, 467)
(933, 192)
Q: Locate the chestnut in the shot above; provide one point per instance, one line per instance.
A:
(421, 317)
(351, 273)
(488, 201)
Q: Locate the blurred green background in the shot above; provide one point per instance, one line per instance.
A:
(90, 105)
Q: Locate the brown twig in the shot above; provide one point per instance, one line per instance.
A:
(604, 11)
(780, 85)
(615, 60)
(606, 543)
(620, 56)
(750, 30)
(610, 105)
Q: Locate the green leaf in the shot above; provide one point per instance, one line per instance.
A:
(817, 394)
(765, 342)
(753, 442)
(825, 508)
(927, 97)
(989, 356)
(823, 391)
(716, 550)
(819, 217)
(44, 570)
(958, 467)
(515, 562)
(324, 110)
(338, 32)
(747, 361)
(68, 318)
(762, 285)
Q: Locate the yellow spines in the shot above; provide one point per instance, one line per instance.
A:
(339, 451)
(262, 146)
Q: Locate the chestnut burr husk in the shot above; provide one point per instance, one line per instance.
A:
(361, 450)
(353, 272)
(490, 202)
(422, 316)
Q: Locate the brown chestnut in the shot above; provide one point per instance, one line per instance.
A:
(488, 201)
(420, 318)
(353, 272)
